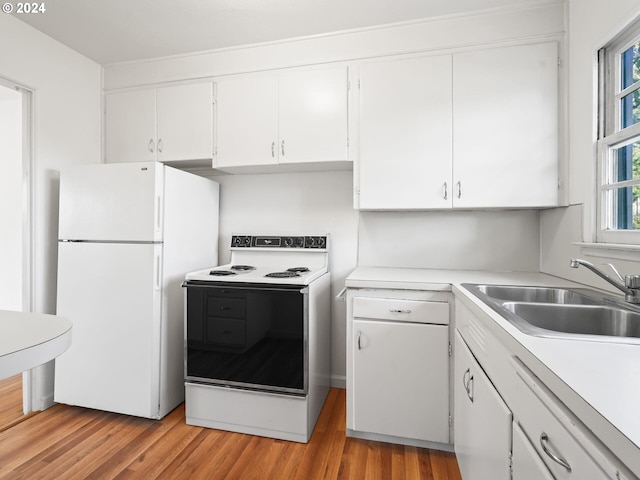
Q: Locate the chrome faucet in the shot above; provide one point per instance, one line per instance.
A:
(630, 284)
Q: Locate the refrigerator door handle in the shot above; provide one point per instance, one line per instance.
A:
(158, 273)
(158, 213)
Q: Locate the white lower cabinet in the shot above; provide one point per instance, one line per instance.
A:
(507, 419)
(482, 421)
(559, 440)
(398, 371)
(526, 464)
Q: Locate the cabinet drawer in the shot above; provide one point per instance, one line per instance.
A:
(226, 307)
(225, 331)
(401, 310)
(562, 443)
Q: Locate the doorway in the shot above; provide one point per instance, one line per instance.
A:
(15, 229)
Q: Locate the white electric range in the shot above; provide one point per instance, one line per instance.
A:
(257, 337)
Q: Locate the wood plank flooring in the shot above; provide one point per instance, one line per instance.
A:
(10, 401)
(75, 443)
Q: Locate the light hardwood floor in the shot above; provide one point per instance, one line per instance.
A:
(10, 401)
(75, 443)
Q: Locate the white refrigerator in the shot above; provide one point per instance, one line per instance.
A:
(128, 234)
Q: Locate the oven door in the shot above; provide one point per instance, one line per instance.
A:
(252, 336)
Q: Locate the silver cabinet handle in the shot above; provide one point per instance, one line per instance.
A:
(151, 145)
(160, 146)
(273, 149)
(544, 440)
(446, 192)
(467, 382)
(394, 310)
(359, 344)
(459, 185)
(282, 147)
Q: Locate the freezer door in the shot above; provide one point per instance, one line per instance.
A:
(112, 202)
(112, 294)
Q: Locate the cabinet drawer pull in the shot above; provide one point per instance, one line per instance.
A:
(359, 345)
(273, 149)
(151, 145)
(459, 185)
(160, 146)
(226, 332)
(395, 310)
(544, 440)
(446, 192)
(282, 147)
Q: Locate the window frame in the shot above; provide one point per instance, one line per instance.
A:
(611, 135)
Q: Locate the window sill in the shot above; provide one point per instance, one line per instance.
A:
(610, 250)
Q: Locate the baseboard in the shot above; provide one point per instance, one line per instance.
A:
(339, 381)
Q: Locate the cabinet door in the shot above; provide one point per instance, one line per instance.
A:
(482, 421)
(247, 121)
(505, 126)
(185, 122)
(130, 126)
(405, 133)
(526, 463)
(401, 379)
(313, 115)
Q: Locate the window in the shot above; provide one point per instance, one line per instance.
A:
(619, 139)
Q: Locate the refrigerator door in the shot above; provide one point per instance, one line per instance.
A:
(112, 202)
(112, 294)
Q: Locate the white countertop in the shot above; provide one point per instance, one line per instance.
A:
(30, 339)
(598, 381)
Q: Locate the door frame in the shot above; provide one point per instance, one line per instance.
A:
(28, 234)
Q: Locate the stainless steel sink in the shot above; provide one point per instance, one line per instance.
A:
(578, 319)
(536, 294)
(568, 313)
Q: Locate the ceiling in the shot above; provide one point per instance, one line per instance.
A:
(110, 31)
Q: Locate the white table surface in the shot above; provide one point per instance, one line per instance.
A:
(30, 339)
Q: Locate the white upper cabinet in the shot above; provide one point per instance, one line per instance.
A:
(246, 121)
(405, 135)
(297, 116)
(165, 124)
(185, 121)
(313, 115)
(505, 126)
(130, 127)
(475, 129)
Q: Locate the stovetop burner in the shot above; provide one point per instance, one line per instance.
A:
(298, 269)
(287, 274)
(243, 268)
(222, 273)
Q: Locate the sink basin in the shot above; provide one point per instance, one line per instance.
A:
(536, 294)
(578, 319)
(579, 314)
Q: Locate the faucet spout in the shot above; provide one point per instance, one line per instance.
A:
(632, 294)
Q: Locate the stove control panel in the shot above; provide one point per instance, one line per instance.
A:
(269, 241)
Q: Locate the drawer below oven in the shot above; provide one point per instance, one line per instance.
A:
(270, 415)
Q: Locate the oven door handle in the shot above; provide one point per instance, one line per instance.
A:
(302, 289)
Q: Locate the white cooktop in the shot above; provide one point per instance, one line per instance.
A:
(267, 254)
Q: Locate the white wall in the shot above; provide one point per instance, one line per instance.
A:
(67, 130)
(67, 121)
(485, 240)
(10, 199)
(591, 26)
